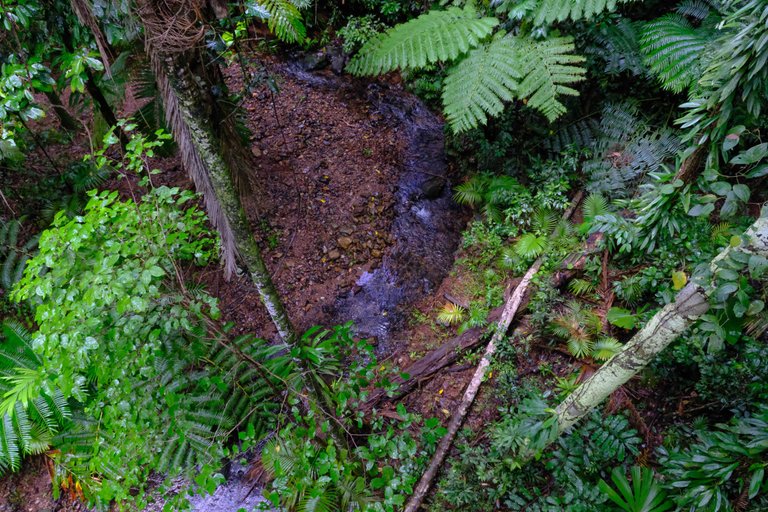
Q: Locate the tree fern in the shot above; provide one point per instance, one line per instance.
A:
(674, 48)
(437, 36)
(479, 84)
(548, 69)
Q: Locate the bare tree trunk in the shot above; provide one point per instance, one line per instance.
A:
(665, 326)
(510, 310)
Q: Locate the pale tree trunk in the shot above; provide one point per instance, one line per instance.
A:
(665, 326)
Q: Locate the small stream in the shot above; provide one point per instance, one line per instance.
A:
(427, 228)
(427, 224)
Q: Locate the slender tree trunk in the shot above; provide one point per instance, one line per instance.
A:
(66, 120)
(99, 100)
(188, 114)
(186, 108)
(665, 326)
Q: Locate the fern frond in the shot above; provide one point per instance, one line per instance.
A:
(551, 11)
(480, 84)
(673, 48)
(548, 69)
(720, 231)
(436, 36)
(282, 16)
(616, 43)
(579, 135)
(581, 287)
(697, 9)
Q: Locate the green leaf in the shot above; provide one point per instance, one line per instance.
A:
(679, 280)
(751, 155)
(758, 172)
(742, 192)
(701, 210)
(724, 291)
(720, 188)
(757, 265)
(755, 482)
(621, 318)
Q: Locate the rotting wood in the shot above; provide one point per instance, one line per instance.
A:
(511, 308)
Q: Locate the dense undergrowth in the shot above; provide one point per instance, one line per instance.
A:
(118, 369)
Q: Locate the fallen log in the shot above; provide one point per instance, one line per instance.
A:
(511, 307)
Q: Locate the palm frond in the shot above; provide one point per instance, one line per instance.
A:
(196, 166)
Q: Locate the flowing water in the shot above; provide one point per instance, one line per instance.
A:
(426, 227)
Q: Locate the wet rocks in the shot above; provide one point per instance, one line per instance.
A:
(432, 187)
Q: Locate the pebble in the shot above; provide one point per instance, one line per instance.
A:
(334, 255)
(344, 242)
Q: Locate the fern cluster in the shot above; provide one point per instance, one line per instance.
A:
(627, 149)
(25, 428)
